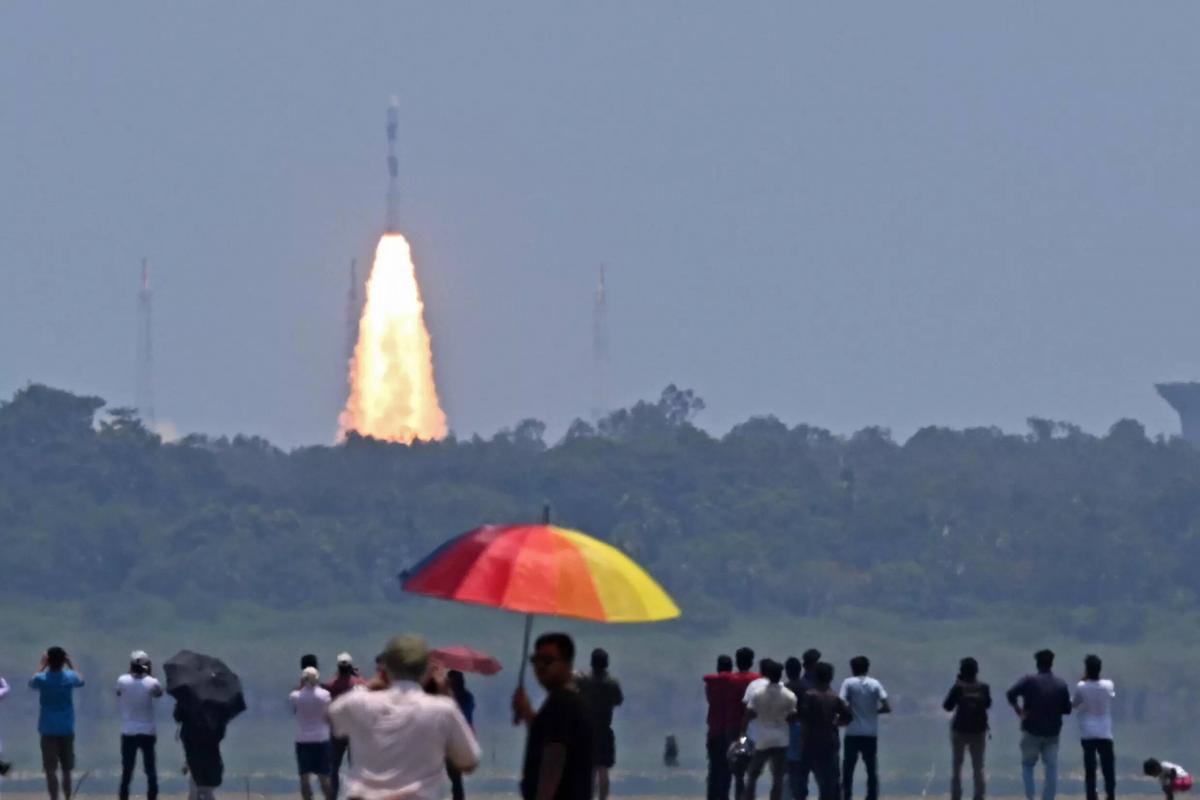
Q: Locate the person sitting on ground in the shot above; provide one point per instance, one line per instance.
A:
(1171, 778)
(402, 737)
(314, 753)
(774, 707)
(602, 693)
(55, 681)
(558, 751)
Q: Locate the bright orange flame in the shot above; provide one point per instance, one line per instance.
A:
(392, 394)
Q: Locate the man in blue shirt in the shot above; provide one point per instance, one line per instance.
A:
(867, 700)
(55, 682)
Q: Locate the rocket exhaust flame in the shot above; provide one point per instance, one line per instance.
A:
(392, 392)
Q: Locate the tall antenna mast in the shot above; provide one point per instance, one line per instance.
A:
(145, 348)
(600, 349)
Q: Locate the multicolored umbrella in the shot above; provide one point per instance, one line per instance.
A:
(541, 569)
(465, 659)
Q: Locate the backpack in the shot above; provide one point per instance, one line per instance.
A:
(972, 715)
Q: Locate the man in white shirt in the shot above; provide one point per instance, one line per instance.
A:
(136, 692)
(867, 699)
(314, 752)
(400, 736)
(1092, 701)
(773, 707)
(754, 687)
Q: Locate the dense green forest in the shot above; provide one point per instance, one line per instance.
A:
(948, 523)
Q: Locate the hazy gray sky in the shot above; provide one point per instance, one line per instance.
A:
(878, 213)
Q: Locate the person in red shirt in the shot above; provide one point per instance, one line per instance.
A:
(724, 690)
(717, 692)
(347, 679)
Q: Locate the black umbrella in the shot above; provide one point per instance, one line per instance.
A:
(201, 681)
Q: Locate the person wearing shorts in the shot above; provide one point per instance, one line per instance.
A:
(601, 693)
(55, 681)
(314, 753)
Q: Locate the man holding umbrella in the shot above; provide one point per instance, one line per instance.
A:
(208, 695)
(558, 752)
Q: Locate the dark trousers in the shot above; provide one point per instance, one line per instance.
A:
(822, 764)
(720, 778)
(798, 780)
(1104, 749)
(456, 784)
(130, 745)
(340, 748)
(853, 747)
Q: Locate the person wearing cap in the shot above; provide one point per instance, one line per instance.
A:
(136, 692)
(346, 680)
(401, 737)
(602, 694)
(314, 754)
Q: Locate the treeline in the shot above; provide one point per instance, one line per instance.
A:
(1091, 529)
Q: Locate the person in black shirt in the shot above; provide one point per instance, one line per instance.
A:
(1044, 701)
(799, 684)
(969, 699)
(821, 713)
(602, 693)
(558, 751)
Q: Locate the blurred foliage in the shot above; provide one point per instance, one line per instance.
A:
(765, 517)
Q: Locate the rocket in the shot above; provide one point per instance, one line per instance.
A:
(393, 191)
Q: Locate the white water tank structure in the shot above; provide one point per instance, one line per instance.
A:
(1185, 399)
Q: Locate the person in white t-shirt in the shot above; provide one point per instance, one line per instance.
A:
(314, 752)
(867, 700)
(136, 692)
(1092, 701)
(754, 687)
(773, 707)
(400, 737)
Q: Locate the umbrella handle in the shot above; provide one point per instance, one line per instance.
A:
(525, 651)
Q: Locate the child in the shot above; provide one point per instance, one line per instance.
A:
(1171, 777)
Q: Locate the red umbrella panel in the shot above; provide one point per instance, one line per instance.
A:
(465, 659)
